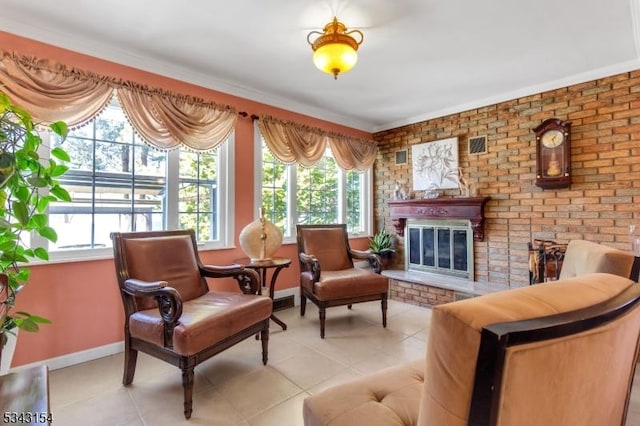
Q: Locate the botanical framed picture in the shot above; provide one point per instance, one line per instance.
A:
(401, 157)
(435, 164)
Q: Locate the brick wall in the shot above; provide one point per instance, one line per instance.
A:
(600, 204)
(418, 294)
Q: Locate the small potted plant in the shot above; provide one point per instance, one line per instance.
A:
(383, 244)
(28, 183)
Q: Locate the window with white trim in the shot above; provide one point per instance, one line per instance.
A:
(324, 193)
(119, 183)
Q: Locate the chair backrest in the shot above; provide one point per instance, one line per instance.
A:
(586, 257)
(170, 256)
(579, 373)
(328, 243)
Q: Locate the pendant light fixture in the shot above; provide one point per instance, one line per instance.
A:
(335, 49)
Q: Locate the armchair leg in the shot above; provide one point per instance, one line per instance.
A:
(322, 315)
(187, 385)
(383, 303)
(303, 304)
(349, 306)
(264, 337)
(130, 359)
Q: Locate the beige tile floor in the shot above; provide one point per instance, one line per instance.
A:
(234, 388)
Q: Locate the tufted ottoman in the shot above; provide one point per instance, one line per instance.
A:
(388, 397)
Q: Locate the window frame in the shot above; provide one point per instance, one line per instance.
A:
(226, 194)
(366, 199)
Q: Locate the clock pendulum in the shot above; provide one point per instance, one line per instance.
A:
(554, 166)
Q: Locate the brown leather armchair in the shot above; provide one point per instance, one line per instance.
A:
(170, 312)
(327, 273)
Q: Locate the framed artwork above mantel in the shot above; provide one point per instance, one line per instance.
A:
(435, 164)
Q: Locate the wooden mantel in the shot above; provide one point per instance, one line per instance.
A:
(469, 208)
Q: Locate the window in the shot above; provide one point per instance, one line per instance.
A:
(198, 194)
(293, 194)
(317, 192)
(119, 183)
(275, 188)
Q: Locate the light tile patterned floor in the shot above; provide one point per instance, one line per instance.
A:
(234, 388)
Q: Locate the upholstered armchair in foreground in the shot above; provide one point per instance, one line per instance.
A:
(586, 257)
(170, 312)
(561, 353)
(549, 260)
(328, 276)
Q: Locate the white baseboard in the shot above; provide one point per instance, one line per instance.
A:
(117, 347)
(76, 357)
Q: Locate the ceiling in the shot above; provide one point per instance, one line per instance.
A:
(419, 59)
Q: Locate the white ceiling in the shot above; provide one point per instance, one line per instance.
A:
(420, 58)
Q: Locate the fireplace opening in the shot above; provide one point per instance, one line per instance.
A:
(441, 246)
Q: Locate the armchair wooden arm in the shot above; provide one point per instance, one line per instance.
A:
(373, 258)
(135, 287)
(215, 271)
(248, 279)
(310, 263)
(168, 298)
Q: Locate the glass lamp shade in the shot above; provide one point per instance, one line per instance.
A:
(260, 239)
(335, 58)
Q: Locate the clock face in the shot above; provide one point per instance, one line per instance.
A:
(552, 138)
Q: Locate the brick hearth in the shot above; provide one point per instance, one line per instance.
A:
(428, 289)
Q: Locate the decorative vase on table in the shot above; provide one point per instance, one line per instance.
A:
(260, 239)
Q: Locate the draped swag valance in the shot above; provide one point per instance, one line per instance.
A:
(290, 143)
(166, 120)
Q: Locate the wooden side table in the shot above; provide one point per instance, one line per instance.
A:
(261, 267)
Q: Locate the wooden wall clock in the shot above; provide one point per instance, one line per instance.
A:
(553, 154)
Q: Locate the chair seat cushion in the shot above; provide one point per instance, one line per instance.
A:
(349, 283)
(205, 320)
(388, 397)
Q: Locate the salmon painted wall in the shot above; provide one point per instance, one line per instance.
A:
(81, 298)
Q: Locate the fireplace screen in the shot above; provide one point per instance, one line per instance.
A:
(440, 246)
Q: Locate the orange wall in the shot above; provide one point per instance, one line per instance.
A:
(81, 299)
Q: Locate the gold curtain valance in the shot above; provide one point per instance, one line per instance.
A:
(166, 120)
(295, 143)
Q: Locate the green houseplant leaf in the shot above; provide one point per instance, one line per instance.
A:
(60, 154)
(382, 242)
(27, 185)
